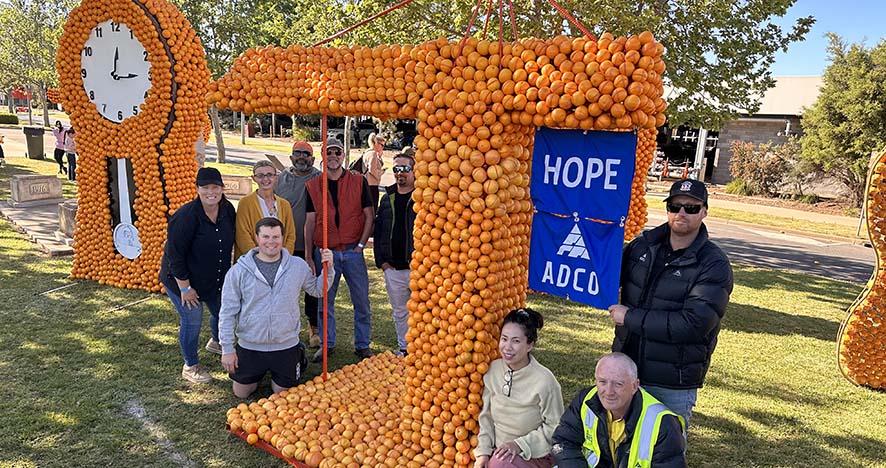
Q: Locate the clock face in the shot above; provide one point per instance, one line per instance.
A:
(115, 71)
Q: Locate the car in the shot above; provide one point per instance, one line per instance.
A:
(360, 131)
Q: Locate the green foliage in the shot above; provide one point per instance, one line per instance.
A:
(809, 199)
(8, 119)
(738, 187)
(848, 121)
(302, 133)
(760, 167)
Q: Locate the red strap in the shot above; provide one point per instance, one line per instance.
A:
(572, 20)
(361, 23)
(325, 208)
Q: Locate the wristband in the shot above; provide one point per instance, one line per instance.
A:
(360, 244)
(185, 289)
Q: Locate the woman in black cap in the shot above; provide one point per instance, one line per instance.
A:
(199, 242)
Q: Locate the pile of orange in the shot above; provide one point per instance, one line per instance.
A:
(159, 141)
(862, 339)
(53, 95)
(348, 421)
(478, 104)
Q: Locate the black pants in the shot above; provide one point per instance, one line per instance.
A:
(311, 302)
(59, 155)
(72, 166)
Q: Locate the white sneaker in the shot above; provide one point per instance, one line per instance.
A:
(195, 374)
(213, 346)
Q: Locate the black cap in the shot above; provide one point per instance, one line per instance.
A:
(209, 175)
(689, 188)
(334, 143)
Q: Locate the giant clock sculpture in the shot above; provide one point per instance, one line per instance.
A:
(133, 76)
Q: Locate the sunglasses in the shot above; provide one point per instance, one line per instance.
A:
(334, 152)
(688, 208)
(399, 169)
(509, 379)
(301, 153)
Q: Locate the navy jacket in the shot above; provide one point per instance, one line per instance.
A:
(671, 328)
(198, 249)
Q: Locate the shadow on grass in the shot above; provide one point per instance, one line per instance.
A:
(753, 319)
(719, 441)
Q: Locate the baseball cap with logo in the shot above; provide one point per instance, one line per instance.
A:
(689, 188)
(334, 143)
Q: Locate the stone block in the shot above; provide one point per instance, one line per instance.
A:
(67, 218)
(34, 190)
(237, 187)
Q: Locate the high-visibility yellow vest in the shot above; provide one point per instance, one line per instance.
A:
(645, 434)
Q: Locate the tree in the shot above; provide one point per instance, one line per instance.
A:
(848, 121)
(31, 32)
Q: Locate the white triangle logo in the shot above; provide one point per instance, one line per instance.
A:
(574, 246)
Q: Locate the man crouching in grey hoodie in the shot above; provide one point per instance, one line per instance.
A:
(260, 312)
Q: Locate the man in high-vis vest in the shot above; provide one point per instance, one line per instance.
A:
(618, 425)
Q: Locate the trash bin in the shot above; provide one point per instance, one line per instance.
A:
(250, 130)
(34, 138)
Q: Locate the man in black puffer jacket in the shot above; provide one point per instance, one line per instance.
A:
(675, 285)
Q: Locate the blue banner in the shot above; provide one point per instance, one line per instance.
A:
(581, 189)
(585, 173)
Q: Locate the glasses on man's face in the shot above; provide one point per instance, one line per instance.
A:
(509, 378)
(333, 152)
(303, 154)
(267, 175)
(399, 169)
(689, 208)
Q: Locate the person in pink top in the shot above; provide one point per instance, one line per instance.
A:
(59, 133)
(71, 151)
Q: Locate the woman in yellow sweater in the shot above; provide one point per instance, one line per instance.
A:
(262, 204)
(522, 402)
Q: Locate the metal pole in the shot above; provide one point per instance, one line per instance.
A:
(699, 153)
(242, 129)
(325, 215)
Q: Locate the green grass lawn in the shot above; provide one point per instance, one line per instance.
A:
(85, 385)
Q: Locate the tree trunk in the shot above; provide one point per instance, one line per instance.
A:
(30, 112)
(10, 101)
(219, 141)
(45, 105)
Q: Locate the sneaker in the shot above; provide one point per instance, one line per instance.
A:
(318, 356)
(314, 340)
(195, 374)
(363, 353)
(213, 346)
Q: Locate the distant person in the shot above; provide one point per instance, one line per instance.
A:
(262, 203)
(675, 285)
(197, 255)
(291, 186)
(522, 400)
(2, 155)
(260, 320)
(373, 164)
(59, 133)
(350, 212)
(71, 153)
(615, 423)
(393, 244)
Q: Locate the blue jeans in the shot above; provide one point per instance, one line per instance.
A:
(679, 401)
(191, 321)
(351, 265)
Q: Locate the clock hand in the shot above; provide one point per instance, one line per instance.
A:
(116, 58)
(131, 75)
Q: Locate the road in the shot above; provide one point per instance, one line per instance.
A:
(761, 247)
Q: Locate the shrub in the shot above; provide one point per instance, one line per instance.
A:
(8, 119)
(738, 187)
(761, 167)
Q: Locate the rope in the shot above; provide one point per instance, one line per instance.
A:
(486, 23)
(361, 23)
(461, 44)
(501, 31)
(572, 20)
(513, 21)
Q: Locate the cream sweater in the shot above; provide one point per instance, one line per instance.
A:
(528, 417)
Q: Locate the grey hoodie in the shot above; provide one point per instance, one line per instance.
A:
(262, 317)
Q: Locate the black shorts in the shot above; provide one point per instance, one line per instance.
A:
(286, 366)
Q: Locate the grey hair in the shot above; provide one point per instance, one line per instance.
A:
(623, 361)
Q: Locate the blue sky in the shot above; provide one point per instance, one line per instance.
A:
(854, 20)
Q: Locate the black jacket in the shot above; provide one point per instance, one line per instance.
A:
(384, 227)
(671, 328)
(569, 436)
(198, 249)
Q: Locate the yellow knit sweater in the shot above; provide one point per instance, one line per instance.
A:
(249, 212)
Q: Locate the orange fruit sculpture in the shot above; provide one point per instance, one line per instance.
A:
(478, 104)
(132, 78)
(861, 342)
